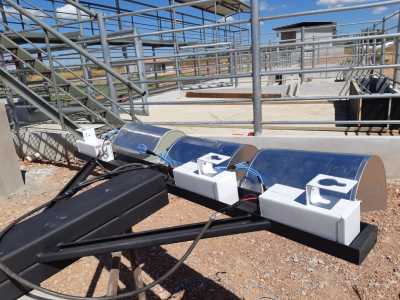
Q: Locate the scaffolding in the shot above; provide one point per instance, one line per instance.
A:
(83, 62)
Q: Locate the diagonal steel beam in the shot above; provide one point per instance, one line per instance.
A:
(74, 46)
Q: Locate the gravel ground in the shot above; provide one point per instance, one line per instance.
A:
(257, 265)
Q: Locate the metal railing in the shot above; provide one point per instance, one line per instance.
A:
(198, 49)
(110, 73)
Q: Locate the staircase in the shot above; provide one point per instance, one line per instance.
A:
(51, 87)
(36, 100)
(35, 80)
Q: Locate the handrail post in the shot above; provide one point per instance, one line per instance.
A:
(302, 36)
(141, 70)
(107, 60)
(85, 68)
(383, 44)
(54, 80)
(255, 50)
(396, 78)
(176, 44)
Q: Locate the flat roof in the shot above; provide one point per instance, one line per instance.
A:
(304, 24)
(224, 7)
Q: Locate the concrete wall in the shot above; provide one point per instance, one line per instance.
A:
(320, 34)
(388, 148)
(59, 146)
(46, 145)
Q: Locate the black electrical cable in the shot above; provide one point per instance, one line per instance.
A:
(11, 274)
(160, 157)
(117, 171)
(27, 284)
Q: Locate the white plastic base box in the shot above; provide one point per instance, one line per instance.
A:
(98, 149)
(339, 223)
(221, 186)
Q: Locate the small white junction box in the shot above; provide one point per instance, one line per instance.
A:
(221, 186)
(94, 147)
(206, 163)
(339, 221)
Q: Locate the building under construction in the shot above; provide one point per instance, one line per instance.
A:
(286, 123)
(75, 63)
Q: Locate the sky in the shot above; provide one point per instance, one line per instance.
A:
(277, 7)
(267, 8)
(284, 6)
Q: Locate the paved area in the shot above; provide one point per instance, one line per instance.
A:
(321, 111)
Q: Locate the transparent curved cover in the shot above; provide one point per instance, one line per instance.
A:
(297, 168)
(190, 148)
(136, 138)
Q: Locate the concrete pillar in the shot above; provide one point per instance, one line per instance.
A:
(10, 174)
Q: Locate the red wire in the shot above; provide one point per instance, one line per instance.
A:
(249, 198)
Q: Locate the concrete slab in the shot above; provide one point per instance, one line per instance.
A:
(321, 87)
(234, 112)
(273, 91)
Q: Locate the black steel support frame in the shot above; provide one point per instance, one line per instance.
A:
(157, 237)
(244, 218)
(110, 208)
(355, 253)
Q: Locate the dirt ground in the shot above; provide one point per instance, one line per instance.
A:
(257, 265)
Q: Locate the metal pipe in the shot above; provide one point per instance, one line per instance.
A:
(54, 82)
(302, 56)
(85, 69)
(270, 47)
(389, 112)
(152, 9)
(383, 44)
(308, 99)
(193, 123)
(300, 122)
(107, 60)
(176, 234)
(176, 45)
(392, 15)
(278, 72)
(396, 77)
(206, 45)
(86, 10)
(256, 66)
(73, 45)
(185, 28)
(141, 72)
(328, 122)
(117, 36)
